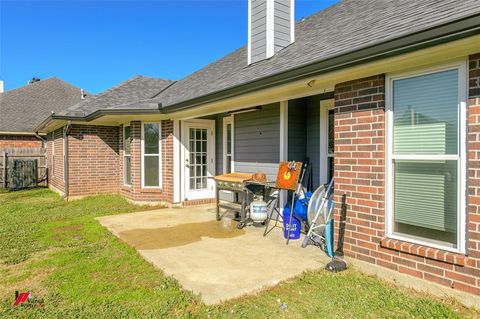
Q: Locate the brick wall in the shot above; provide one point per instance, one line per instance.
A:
(473, 244)
(360, 174)
(93, 160)
(21, 141)
(135, 191)
(55, 159)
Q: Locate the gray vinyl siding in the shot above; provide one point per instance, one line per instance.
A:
(281, 24)
(257, 140)
(304, 133)
(258, 30)
(219, 144)
(313, 140)
(297, 130)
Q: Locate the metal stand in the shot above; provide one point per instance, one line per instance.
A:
(273, 209)
(242, 207)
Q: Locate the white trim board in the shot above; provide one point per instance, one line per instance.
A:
(227, 120)
(176, 162)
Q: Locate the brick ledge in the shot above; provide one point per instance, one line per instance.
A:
(424, 251)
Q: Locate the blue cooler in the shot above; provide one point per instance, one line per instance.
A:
(295, 230)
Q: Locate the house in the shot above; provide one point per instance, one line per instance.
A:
(22, 109)
(382, 95)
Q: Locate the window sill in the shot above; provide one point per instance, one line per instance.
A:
(151, 190)
(424, 251)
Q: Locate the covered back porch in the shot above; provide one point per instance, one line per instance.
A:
(255, 139)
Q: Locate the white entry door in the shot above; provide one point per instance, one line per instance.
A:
(198, 140)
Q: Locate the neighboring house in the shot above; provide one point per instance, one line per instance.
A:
(382, 95)
(22, 109)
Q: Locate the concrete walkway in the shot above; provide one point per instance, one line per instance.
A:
(210, 258)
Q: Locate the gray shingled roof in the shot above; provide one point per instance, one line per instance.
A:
(340, 29)
(344, 27)
(132, 90)
(23, 108)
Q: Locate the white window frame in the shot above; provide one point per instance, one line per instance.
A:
(64, 142)
(227, 120)
(461, 157)
(126, 155)
(160, 157)
(53, 153)
(325, 107)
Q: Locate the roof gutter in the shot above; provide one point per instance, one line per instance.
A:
(97, 114)
(420, 40)
(18, 133)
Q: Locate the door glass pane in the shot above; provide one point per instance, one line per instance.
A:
(126, 140)
(331, 131)
(229, 138)
(229, 164)
(151, 138)
(426, 114)
(127, 170)
(425, 199)
(198, 158)
(330, 167)
(151, 171)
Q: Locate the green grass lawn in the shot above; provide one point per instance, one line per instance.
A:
(76, 269)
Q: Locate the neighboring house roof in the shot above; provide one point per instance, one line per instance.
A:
(132, 90)
(22, 109)
(325, 37)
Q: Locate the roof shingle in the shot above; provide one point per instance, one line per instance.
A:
(132, 90)
(342, 28)
(23, 108)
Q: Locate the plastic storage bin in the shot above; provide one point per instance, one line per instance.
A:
(295, 230)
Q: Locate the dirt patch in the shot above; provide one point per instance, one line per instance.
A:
(179, 235)
(67, 231)
(23, 278)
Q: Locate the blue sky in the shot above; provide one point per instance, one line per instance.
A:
(97, 44)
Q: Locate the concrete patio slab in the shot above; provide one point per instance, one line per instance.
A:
(210, 258)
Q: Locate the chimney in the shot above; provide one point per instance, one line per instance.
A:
(271, 27)
(1, 86)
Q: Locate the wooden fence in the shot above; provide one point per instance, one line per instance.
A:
(9, 160)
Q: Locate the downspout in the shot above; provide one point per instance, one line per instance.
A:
(41, 138)
(65, 158)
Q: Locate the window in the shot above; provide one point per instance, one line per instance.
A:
(65, 145)
(53, 153)
(227, 144)
(151, 148)
(127, 168)
(426, 158)
(331, 143)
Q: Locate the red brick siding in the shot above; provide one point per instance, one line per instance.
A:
(473, 226)
(360, 174)
(55, 170)
(10, 141)
(135, 191)
(93, 160)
